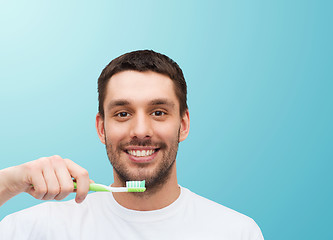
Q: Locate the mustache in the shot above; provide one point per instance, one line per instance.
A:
(143, 143)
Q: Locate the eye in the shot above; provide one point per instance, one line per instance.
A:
(158, 113)
(122, 114)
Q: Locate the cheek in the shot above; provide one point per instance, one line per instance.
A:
(167, 132)
(115, 132)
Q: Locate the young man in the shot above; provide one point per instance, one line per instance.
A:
(142, 117)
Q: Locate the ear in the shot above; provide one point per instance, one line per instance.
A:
(184, 126)
(100, 127)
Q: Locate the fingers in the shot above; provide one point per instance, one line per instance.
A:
(51, 181)
(51, 178)
(64, 179)
(38, 187)
(82, 179)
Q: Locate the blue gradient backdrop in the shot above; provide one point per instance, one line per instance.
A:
(260, 97)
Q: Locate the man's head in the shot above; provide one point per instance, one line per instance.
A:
(144, 61)
(142, 121)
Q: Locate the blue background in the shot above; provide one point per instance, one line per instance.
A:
(260, 97)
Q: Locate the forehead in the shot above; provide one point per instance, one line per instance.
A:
(140, 87)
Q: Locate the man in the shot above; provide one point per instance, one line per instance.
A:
(143, 115)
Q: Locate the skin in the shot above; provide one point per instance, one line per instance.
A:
(50, 176)
(142, 107)
(150, 116)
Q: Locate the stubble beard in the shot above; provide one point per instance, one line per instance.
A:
(155, 178)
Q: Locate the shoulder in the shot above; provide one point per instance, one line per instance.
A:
(52, 220)
(221, 217)
(33, 219)
(55, 208)
(205, 204)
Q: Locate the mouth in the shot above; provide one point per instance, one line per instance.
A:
(142, 155)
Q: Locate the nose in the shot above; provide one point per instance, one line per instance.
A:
(141, 127)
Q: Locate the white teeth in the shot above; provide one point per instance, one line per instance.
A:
(143, 153)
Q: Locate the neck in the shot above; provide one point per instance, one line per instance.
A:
(148, 201)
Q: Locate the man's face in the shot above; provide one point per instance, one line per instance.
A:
(142, 126)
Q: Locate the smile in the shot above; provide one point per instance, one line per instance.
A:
(141, 153)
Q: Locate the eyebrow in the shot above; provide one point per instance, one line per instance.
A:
(162, 101)
(124, 102)
(116, 103)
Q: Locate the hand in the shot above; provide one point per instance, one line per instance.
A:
(47, 178)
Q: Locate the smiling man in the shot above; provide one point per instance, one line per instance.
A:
(143, 115)
(141, 126)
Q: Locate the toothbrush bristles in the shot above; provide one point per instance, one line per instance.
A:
(136, 186)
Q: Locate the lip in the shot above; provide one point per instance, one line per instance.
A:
(146, 159)
(140, 148)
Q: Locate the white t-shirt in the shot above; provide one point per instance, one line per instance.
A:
(101, 217)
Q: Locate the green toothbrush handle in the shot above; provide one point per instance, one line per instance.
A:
(94, 187)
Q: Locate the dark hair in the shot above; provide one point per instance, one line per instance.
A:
(142, 61)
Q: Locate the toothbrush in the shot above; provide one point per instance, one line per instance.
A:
(131, 186)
